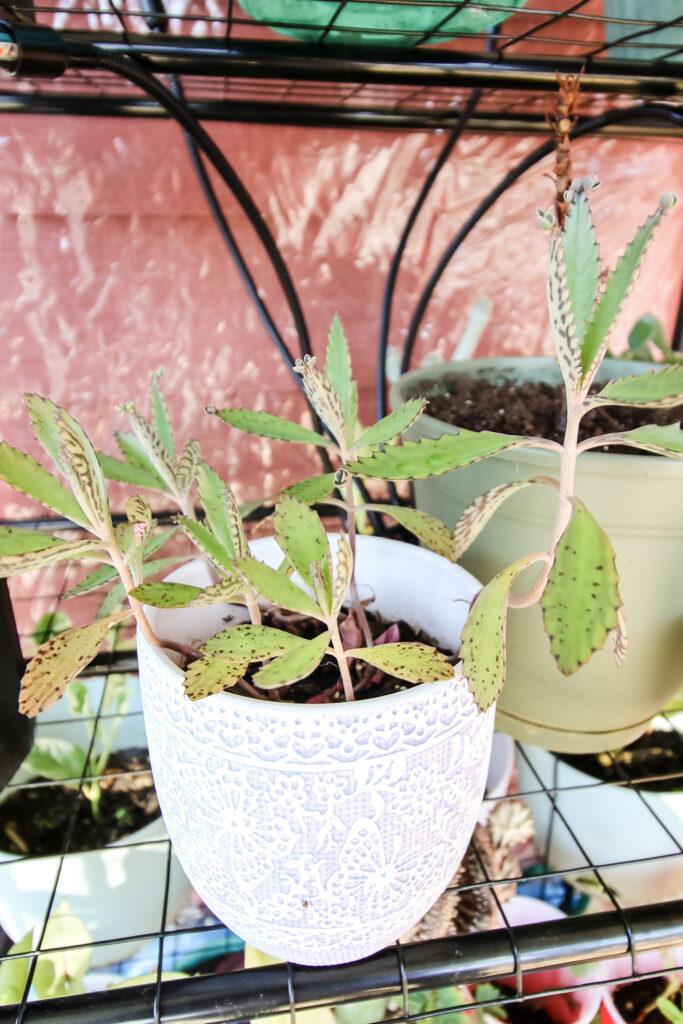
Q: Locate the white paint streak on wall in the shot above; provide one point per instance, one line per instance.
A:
(74, 198)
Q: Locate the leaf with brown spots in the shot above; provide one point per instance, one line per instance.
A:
(476, 516)
(417, 663)
(301, 536)
(165, 595)
(434, 534)
(294, 665)
(251, 643)
(10, 565)
(276, 588)
(207, 676)
(83, 472)
(60, 660)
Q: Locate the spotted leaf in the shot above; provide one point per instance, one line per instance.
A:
(207, 676)
(265, 424)
(323, 398)
(415, 460)
(417, 663)
(252, 643)
(162, 423)
(393, 425)
(22, 472)
(10, 565)
(302, 538)
(652, 389)
(312, 490)
(83, 472)
(434, 534)
(294, 665)
(222, 592)
(164, 594)
(344, 574)
(476, 516)
(275, 587)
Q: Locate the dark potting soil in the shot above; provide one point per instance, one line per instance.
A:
(534, 1011)
(532, 409)
(636, 1001)
(34, 820)
(657, 756)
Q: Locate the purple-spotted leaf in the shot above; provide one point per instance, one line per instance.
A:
(22, 472)
(581, 598)
(417, 663)
(415, 460)
(265, 424)
(207, 542)
(82, 470)
(294, 665)
(482, 648)
(653, 389)
(276, 588)
(392, 426)
(15, 540)
(10, 565)
(476, 516)
(434, 534)
(207, 676)
(223, 592)
(165, 595)
(343, 576)
(252, 643)
(154, 448)
(323, 398)
(60, 660)
(302, 538)
(312, 490)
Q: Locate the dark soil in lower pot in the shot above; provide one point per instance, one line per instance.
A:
(530, 408)
(34, 819)
(654, 762)
(636, 1001)
(536, 1010)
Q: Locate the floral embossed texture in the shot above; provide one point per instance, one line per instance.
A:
(320, 833)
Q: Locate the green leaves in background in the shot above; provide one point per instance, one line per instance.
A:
(312, 490)
(393, 425)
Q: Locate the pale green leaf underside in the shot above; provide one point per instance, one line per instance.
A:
(165, 595)
(208, 543)
(265, 424)
(212, 496)
(162, 423)
(391, 426)
(275, 587)
(312, 490)
(654, 388)
(58, 661)
(666, 440)
(22, 472)
(561, 314)
(581, 260)
(434, 534)
(125, 473)
(15, 540)
(483, 637)
(338, 366)
(207, 676)
(252, 643)
(302, 538)
(10, 565)
(416, 663)
(581, 598)
(415, 460)
(477, 515)
(294, 665)
(344, 574)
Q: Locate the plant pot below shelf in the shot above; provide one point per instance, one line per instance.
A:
(321, 833)
(638, 500)
(648, 962)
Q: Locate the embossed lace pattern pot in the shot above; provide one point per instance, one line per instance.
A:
(321, 833)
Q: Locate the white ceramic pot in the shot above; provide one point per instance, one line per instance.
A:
(638, 500)
(117, 892)
(321, 833)
(617, 826)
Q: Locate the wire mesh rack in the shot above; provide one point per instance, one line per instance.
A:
(327, 62)
(624, 915)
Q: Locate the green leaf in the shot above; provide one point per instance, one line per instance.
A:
(483, 637)
(187, 466)
(648, 329)
(154, 448)
(611, 300)
(14, 540)
(133, 452)
(60, 660)
(302, 538)
(165, 595)
(338, 370)
(344, 575)
(393, 425)
(83, 472)
(208, 543)
(43, 414)
(415, 662)
(476, 516)
(125, 473)
(14, 973)
(56, 759)
(294, 665)
(48, 625)
(207, 676)
(61, 973)
(162, 423)
(117, 594)
(652, 389)
(351, 414)
(562, 318)
(251, 643)
(415, 460)
(434, 534)
(26, 475)
(581, 260)
(312, 490)
(10, 565)
(666, 440)
(265, 424)
(269, 583)
(581, 598)
(212, 496)
(222, 592)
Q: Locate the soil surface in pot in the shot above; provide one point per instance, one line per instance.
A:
(654, 761)
(34, 820)
(532, 409)
(637, 1000)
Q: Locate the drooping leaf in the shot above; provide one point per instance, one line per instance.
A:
(434, 534)
(323, 398)
(58, 661)
(125, 473)
(22, 472)
(393, 425)
(654, 388)
(483, 637)
(344, 574)
(164, 594)
(61, 973)
(417, 663)
(117, 594)
(15, 540)
(252, 643)
(55, 758)
(265, 424)
(312, 490)
(294, 665)
(222, 592)
(160, 417)
(207, 676)
(476, 516)
(562, 316)
(212, 496)
(275, 587)
(415, 460)
(10, 565)
(14, 972)
(302, 537)
(208, 543)
(611, 300)
(83, 471)
(581, 260)
(338, 372)
(43, 414)
(581, 598)
(667, 440)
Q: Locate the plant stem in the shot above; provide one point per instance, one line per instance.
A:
(128, 583)
(252, 607)
(359, 610)
(340, 655)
